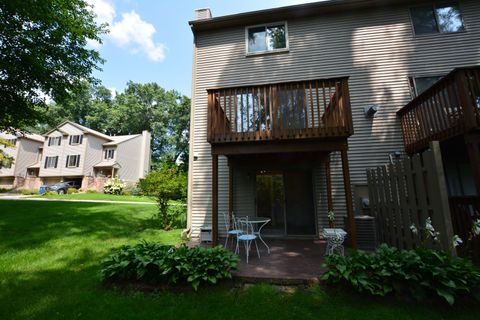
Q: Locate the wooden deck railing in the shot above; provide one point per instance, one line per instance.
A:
(449, 108)
(285, 111)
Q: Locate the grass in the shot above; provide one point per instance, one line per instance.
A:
(49, 269)
(97, 196)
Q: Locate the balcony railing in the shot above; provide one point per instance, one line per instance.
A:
(286, 111)
(449, 108)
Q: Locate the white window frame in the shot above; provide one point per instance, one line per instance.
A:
(76, 136)
(107, 154)
(76, 161)
(52, 141)
(434, 6)
(50, 162)
(287, 44)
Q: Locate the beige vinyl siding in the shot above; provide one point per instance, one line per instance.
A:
(28, 154)
(93, 153)
(129, 156)
(376, 48)
(62, 151)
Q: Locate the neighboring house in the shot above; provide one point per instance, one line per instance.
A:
(27, 152)
(291, 105)
(74, 152)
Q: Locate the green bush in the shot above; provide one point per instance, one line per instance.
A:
(159, 264)
(72, 190)
(91, 191)
(4, 190)
(114, 186)
(177, 213)
(29, 191)
(132, 190)
(166, 184)
(419, 273)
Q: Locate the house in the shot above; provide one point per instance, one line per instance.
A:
(75, 152)
(26, 152)
(291, 105)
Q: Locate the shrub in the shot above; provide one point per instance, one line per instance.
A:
(114, 186)
(132, 190)
(159, 264)
(91, 191)
(165, 184)
(29, 191)
(177, 212)
(4, 190)
(418, 273)
(72, 190)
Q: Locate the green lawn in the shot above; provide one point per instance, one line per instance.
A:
(49, 269)
(97, 196)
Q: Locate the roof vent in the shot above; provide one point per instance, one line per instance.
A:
(204, 13)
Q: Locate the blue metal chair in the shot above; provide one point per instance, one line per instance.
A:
(247, 237)
(231, 228)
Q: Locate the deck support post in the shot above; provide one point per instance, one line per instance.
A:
(328, 177)
(348, 198)
(473, 147)
(230, 192)
(214, 200)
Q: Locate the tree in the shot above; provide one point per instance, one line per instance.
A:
(43, 52)
(5, 159)
(165, 184)
(166, 114)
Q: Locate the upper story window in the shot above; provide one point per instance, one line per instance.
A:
(420, 84)
(437, 18)
(54, 141)
(109, 154)
(77, 139)
(73, 161)
(267, 38)
(51, 162)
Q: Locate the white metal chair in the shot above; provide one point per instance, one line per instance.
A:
(231, 227)
(247, 237)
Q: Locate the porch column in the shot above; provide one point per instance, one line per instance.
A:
(473, 146)
(328, 177)
(214, 200)
(230, 191)
(348, 198)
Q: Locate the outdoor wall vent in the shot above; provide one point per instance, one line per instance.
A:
(370, 111)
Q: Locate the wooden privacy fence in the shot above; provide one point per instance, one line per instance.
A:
(408, 192)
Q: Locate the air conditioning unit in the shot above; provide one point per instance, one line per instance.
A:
(366, 233)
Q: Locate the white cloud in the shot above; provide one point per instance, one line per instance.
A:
(137, 34)
(129, 32)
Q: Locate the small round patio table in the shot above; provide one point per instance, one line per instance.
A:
(258, 223)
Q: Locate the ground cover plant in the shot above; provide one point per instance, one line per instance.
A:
(161, 264)
(50, 255)
(419, 273)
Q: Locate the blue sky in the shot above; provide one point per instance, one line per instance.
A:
(151, 41)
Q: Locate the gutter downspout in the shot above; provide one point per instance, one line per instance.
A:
(188, 230)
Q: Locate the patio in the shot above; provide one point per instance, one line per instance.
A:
(289, 262)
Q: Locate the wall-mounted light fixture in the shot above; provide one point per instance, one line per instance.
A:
(371, 110)
(195, 156)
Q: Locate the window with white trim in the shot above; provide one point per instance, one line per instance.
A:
(267, 38)
(51, 162)
(109, 154)
(73, 161)
(54, 141)
(420, 84)
(76, 139)
(443, 17)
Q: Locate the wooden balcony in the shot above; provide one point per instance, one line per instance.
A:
(449, 108)
(304, 110)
